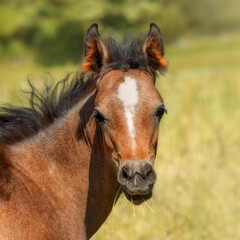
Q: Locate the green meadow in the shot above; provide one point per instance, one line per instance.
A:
(197, 194)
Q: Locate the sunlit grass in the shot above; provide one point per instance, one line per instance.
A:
(197, 192)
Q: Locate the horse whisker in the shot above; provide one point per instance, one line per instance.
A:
(148, 206)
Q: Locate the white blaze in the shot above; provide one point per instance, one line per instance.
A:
(128, 94)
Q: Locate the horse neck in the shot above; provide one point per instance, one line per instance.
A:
(70, 159)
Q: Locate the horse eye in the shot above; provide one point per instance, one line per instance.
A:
(160, 111)
(98, 116)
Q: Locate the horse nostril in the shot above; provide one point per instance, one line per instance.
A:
(147, 170)
(149, 173)
(124, 175)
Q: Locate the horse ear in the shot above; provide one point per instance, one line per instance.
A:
(95, 51)
(153, 48)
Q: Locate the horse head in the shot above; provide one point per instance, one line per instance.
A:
(128, 107)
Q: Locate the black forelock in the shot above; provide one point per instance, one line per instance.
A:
(126, 55)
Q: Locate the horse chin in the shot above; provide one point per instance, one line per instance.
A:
(138, 199)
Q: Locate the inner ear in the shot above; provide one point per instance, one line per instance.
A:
(95, 51)
(153, 48)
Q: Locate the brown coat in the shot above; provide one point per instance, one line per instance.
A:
(60, 181)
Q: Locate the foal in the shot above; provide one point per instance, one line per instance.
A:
(63, 159)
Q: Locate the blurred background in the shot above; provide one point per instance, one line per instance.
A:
(198, 162)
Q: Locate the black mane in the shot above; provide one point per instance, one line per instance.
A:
(18, 123)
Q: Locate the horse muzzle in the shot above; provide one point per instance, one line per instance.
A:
(137, 179)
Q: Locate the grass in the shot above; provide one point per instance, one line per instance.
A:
(197, 192)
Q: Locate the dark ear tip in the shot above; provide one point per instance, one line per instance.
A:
(93, 27)
(154, 26)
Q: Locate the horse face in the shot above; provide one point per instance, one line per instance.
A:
(128, 107)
